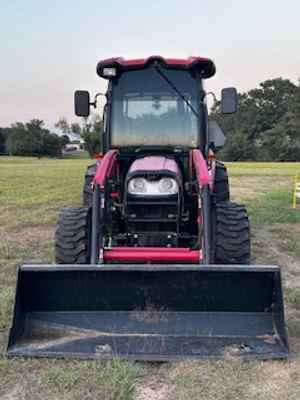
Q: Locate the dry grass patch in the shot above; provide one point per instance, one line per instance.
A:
(26, 243)
(275, 245)
(248, 188)
(235, 380)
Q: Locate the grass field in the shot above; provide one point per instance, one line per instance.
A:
(31, 193)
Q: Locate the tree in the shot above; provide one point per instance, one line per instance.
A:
(32, 139)
(3, 136)
(68, 129)
(272, 99)
(265, 125)
(282, 142)
(90, 131)
(63, 125)
(76, 128)
(64, 140)
(239, 148)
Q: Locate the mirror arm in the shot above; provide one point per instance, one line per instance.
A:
(94, 103)
(205, 94)
(213, 96)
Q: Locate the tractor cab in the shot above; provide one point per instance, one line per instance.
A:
(155, 103)
(147, 111)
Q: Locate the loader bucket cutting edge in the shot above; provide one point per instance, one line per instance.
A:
(155, 312)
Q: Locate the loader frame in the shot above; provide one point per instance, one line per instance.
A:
(104, 171)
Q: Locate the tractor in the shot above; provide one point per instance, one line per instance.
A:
(155, 265)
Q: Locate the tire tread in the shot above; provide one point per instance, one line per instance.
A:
(72, 236)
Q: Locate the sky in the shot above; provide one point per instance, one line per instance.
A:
(48, 49)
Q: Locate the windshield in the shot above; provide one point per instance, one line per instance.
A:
(147, 111)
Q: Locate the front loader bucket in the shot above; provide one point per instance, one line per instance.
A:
(155, 312)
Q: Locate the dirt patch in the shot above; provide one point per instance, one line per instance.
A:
(277, 245)
(235, 380)
(273, 383)
(29, 241)
(271, 244)
(30, 235)
(154, 387)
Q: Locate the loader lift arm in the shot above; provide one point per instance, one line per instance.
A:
(99, 255)
(104, 171)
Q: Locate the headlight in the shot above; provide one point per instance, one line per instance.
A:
(109, 72)
(167, 186)
(137, 186)
(163, 186)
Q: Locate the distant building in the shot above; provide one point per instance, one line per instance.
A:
(72, 147)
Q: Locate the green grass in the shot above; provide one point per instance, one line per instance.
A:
(77, 156)
(57, 379)
(263, 168)
(111, 380)
(6, 299)
(34, 190)
(273, 208)
(31, 193)
(267, 190)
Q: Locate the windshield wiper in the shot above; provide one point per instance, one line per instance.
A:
(171, 84)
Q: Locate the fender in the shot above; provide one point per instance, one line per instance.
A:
(105, 168)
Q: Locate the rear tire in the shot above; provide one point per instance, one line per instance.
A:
(231, 234)
(87, 193)
(221, 185)
(72, 236)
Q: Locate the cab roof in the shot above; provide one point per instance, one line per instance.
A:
(201, 64)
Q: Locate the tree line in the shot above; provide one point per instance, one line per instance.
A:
(266, 127)
(33, 139)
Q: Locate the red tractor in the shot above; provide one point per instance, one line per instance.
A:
(155, 265)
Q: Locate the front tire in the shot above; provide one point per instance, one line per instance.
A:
(87, 193)
(231, 234)
(221, 185)
(72, 236)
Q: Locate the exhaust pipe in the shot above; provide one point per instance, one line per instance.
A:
(155, 312)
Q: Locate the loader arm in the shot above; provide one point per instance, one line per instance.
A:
(103, 172)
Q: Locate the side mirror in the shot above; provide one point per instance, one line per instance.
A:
(228, 100)
(82, 103)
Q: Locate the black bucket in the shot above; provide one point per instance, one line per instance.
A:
(157, 312)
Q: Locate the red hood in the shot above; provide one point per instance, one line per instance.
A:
(154, 164)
